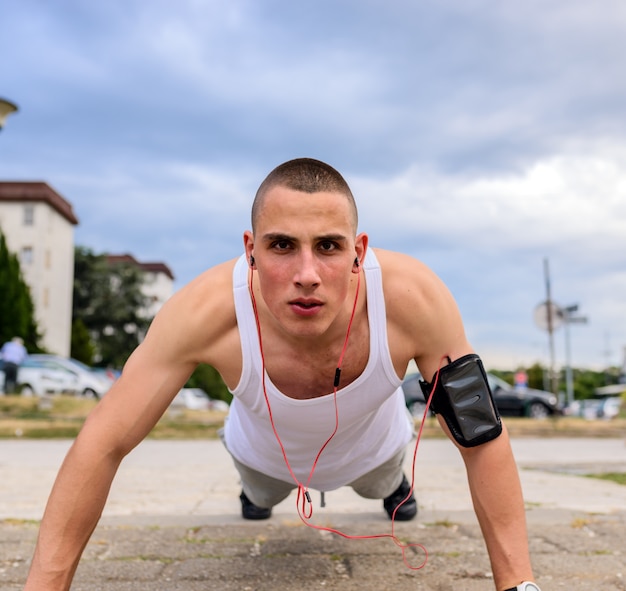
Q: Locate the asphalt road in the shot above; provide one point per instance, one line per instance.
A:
(172, 522)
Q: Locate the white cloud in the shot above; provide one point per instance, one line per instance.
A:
(556, 200)
(479, 137)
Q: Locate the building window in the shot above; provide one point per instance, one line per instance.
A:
(48, 259)
(29, 215)
(26, 255)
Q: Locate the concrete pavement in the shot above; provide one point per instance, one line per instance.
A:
(173, 522)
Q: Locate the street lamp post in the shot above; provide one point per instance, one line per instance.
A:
(6, 108)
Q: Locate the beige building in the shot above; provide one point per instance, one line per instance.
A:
(158, 284)
(38, 225)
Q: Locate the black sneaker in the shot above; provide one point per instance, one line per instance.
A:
(406, 511)
(250, 511)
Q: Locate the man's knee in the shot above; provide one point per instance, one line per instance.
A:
(263, 490)
(263, 497)
(380, 482)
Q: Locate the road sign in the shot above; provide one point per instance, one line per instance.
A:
(541, 318)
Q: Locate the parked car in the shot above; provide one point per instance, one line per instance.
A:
(108, 372)
(87, 380)
(610, 407)
(606, 408)
(37, 379)
(510, 401)
(198, 399)
(413, 395)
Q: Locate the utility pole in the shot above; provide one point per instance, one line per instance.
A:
(550, 321)
(549, 316)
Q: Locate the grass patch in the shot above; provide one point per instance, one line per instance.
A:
(187, 428)
(617, 477)
(71, 407)
(52, 432)
(442, 523)
(19, 522)
(20, 407)
(564, 427)
(40, 428)
(62, 417)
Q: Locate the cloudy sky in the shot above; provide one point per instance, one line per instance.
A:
(483, 137)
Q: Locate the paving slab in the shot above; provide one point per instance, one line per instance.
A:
(172, 523)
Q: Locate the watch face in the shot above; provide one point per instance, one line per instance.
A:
(529, 587)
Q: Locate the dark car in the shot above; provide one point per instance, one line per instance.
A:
(511, 402)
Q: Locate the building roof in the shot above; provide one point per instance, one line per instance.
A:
(37, 191)
(150, 267)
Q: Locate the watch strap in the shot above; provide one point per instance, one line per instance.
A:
(525, 586)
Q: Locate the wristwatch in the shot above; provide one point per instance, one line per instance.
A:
(525, 586)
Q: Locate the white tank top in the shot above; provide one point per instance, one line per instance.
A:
(373, 421)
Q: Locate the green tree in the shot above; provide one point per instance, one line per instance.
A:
(109, 302)
(586, 381)
(537, 377)
(207, 378)
(83, 347)
(17, 311)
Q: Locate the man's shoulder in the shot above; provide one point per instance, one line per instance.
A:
(210, 291)
(409, 285)
(199, 317)
(213, 278)
(403, 267)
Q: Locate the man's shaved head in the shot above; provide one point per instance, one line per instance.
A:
(307, 176)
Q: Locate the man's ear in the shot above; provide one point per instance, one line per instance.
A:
(360, 248)
(248, 244)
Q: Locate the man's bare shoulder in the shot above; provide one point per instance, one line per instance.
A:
(213, 285)
(202, 313)
(422, 315)
(405, 276)
(415, 297)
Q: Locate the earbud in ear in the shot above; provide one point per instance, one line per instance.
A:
(356, 262)
(251, 261)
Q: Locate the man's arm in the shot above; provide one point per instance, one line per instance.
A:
(499, 505)
(197, 325)
(73, 510)
(121, 420)
(424, 323)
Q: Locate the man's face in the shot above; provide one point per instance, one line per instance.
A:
(304, 248)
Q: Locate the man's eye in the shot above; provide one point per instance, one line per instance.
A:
(281, 245)
(328, 246)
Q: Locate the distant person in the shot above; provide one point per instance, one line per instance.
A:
(312, 332)
(13, 354)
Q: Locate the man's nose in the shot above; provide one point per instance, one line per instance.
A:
(307, 274)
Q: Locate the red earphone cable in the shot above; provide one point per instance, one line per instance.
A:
(304, 505)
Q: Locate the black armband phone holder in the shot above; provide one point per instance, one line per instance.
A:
(463, 398)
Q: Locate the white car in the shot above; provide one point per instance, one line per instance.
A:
(87, 381)
(610, 407)
(37, 379)
(198, 399)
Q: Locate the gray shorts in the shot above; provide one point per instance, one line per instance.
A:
(267, 491)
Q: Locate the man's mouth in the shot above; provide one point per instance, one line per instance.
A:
(306, 305)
